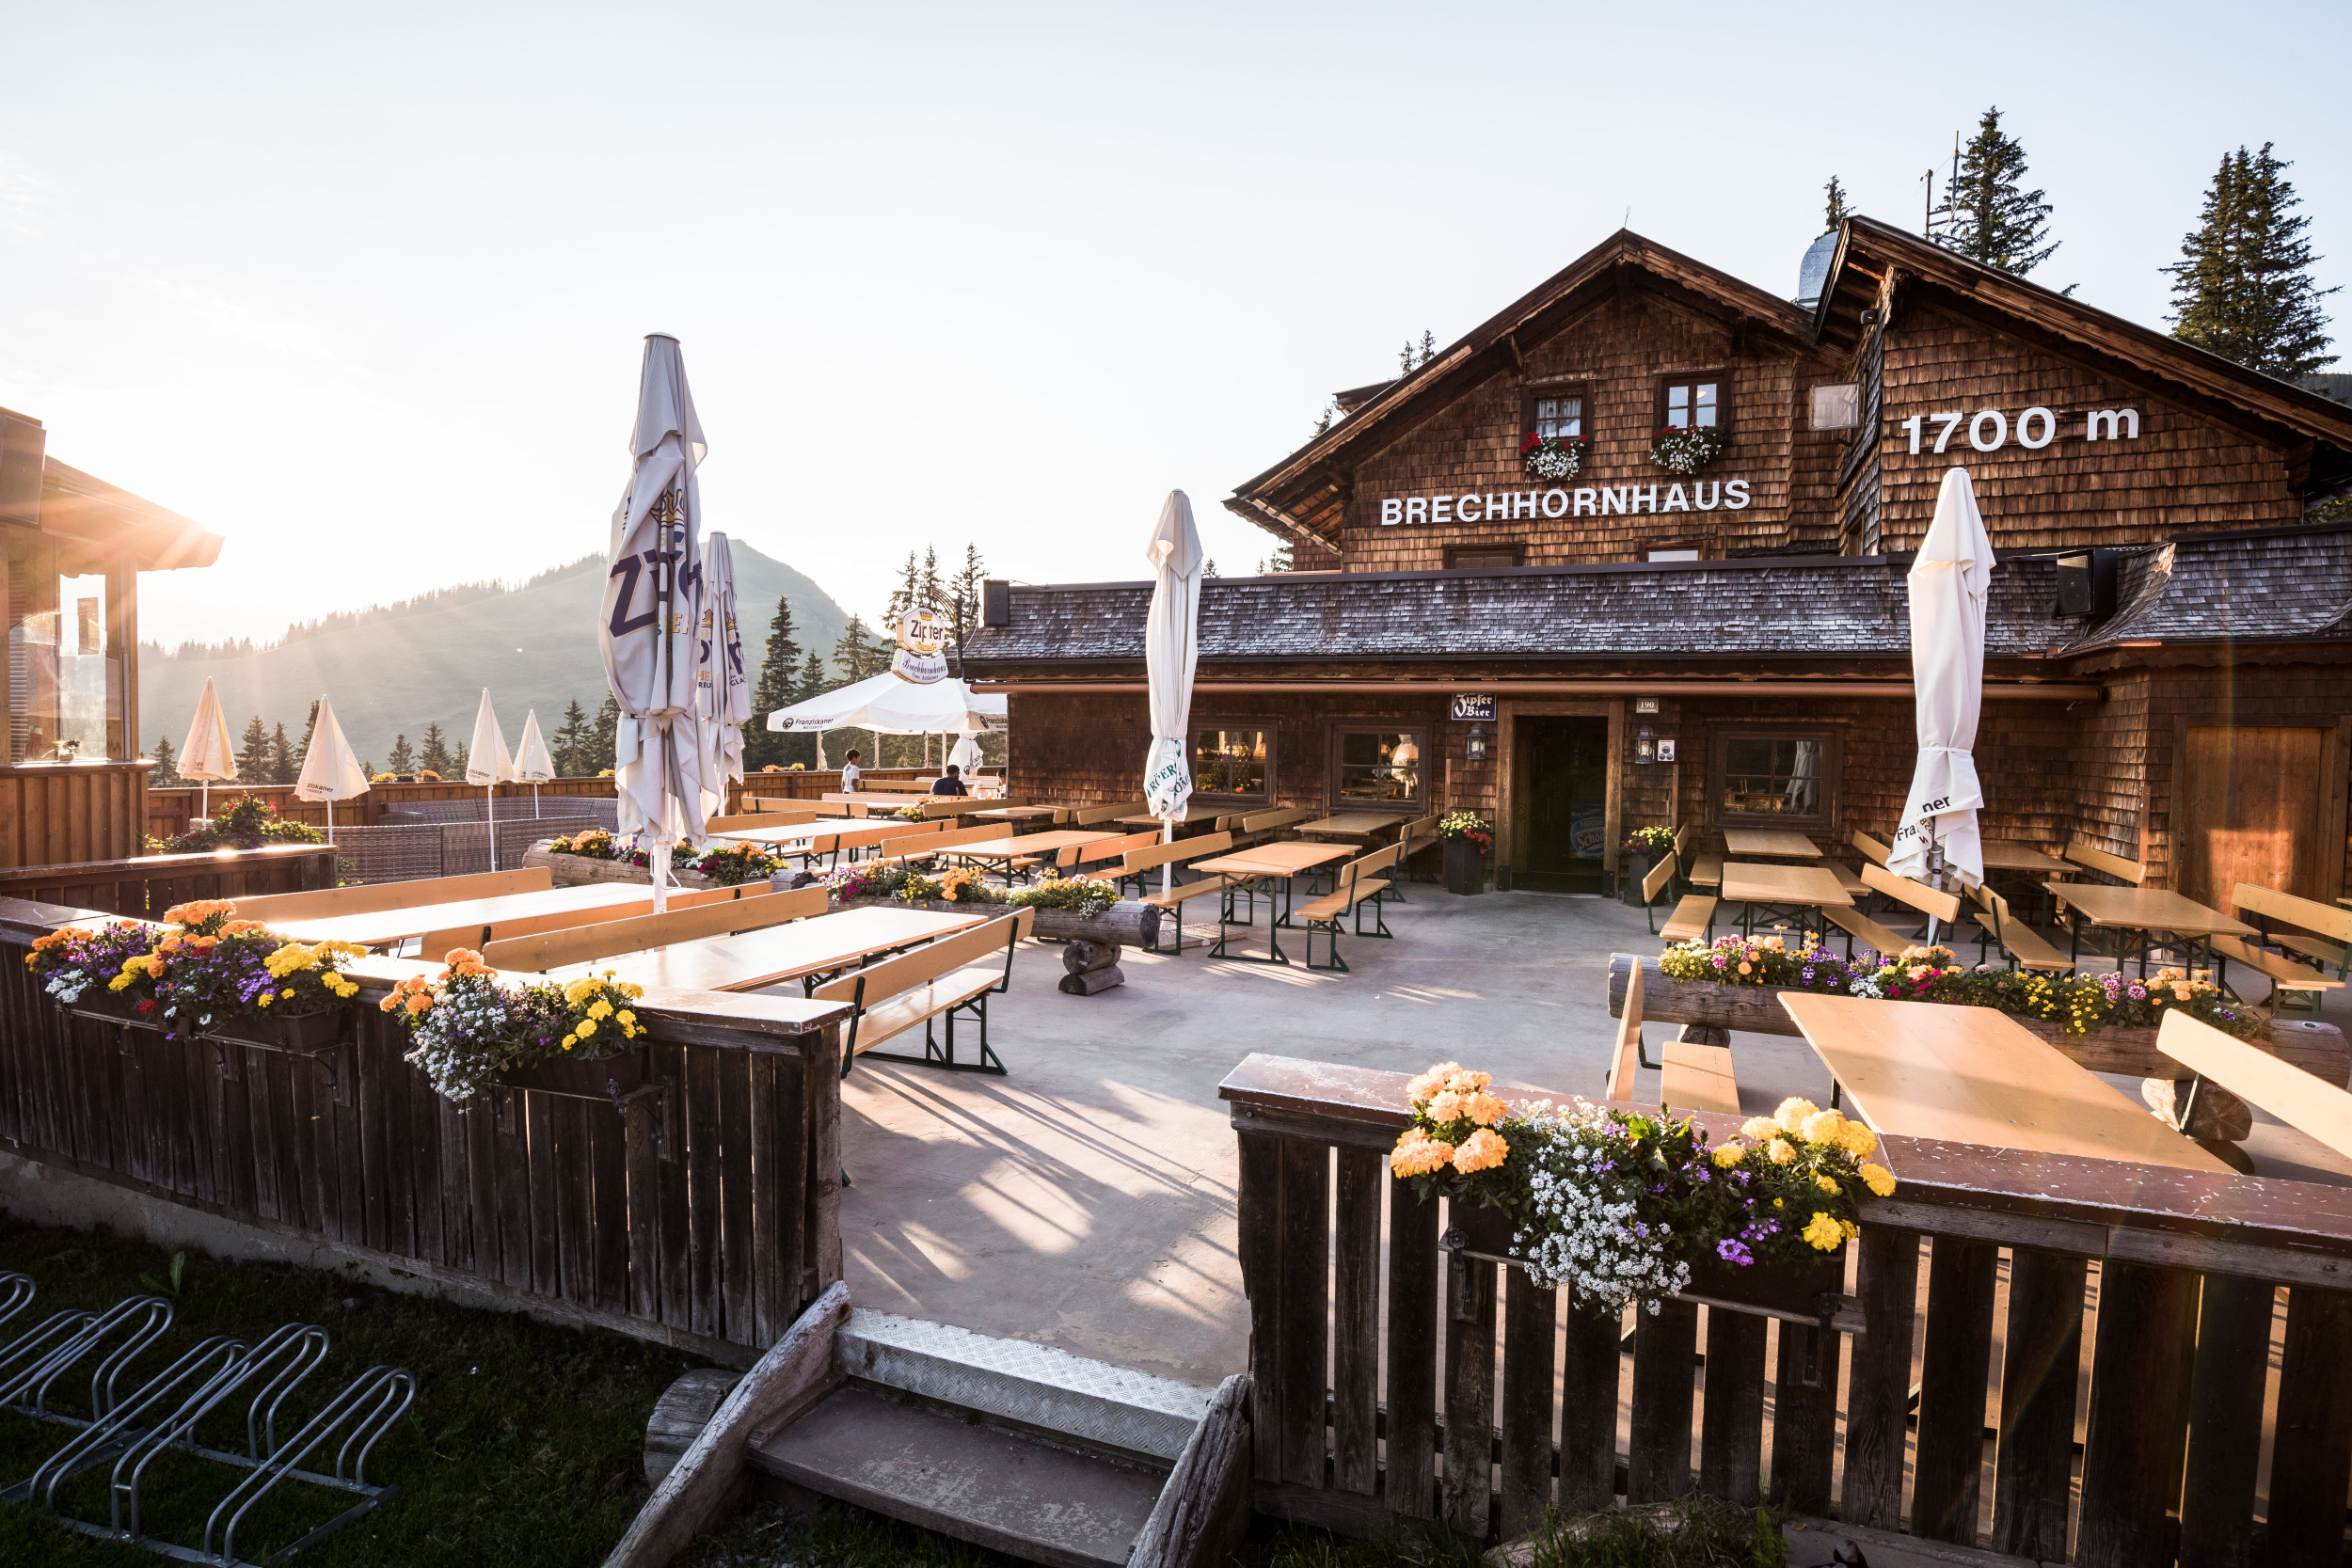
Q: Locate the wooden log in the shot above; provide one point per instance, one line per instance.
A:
(1092, 981)
(2318, 1049)
(1204, 1509)
(2215, 1112)
(706, 1484)
(1078, 958)
(679, 1416)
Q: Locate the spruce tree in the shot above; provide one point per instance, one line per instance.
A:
(310, 728)
(762, 746)
(570, 741)
(1838, 211)
(253, 759)
(907, 591)
(814, 680)
(933, 593)
(167, 773)
(965, 592)
(282, 767)
(2243, 287)
(857, 654)
(1991, 219)
(600, 742)
(433, 756)
(402, 760)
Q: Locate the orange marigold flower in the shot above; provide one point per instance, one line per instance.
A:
(1484, 1109)
(1481, 1150)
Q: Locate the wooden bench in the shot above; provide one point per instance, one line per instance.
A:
(2025, 947)
(950, 977)
(1258, 827)
(1411, 840)
(2309, 1104)
(1139, 862)
(2326, 934)
(1933, 902)
(1706, 871)
(2091, 858)
(1359, 880)
(1626, 1057)
(1869, 849)
(1086, 816)
(1874, 936)
(1694, 916)
(1113, 848)
(932, 840)
(375, 897)
(1695, 1076)
(719, 826)
(580, 944)
(436, 944)
(2260, 906)
(1151, 854)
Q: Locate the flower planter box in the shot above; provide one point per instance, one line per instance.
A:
(1792, 1290)
(613, 1078)
(584, 870)
(1129, 923)
(294, 1033)
(1465, 867)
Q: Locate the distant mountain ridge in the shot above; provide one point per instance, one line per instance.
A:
(394, 669)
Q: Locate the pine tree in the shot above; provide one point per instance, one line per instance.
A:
(907, 593)
(167, 773)
(433, 757)
(253, 759)
(1331, 413)
(2243, 288)
(815, 680)
(1991, 220)
(457, 762)
(1428, 345)
(403, 757)
(1838, 211)
(762, 746)
(570, 740)
(933, 591)
(857, 654)
(282, 769)
(965, 590)
(310, 728)
(600, 744)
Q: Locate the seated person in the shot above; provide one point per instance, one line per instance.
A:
(951, 782)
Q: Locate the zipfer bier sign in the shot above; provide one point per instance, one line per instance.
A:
(1473, 709)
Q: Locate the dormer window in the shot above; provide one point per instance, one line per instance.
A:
(1692, 403)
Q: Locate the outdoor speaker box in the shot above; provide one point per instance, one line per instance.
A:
(996, 602)
(22, 443)
(2085, 583)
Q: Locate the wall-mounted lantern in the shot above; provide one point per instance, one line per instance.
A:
(1478, 743)
(1646, 746)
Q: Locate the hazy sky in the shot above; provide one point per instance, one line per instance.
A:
(362, 288)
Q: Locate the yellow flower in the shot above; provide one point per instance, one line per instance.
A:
(601, 1009)
(1851, 1228)
(1777, 1203)
(1792, 1113)
(1823, 1232)
(570, 1040)
(1858, 1140)
(575, 992)
(1783, 1151)
(1825, 1183)
(1727, 1155)
(628, 1019)
(1758, 1128)
(117, 982)
(1481, 1150)
(587, 1026)
(1879, 1179)
(1824, 1127)
(265, 999)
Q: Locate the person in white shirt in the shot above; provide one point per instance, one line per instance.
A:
(849, 773)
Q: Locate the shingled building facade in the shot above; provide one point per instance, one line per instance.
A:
(1725, 642)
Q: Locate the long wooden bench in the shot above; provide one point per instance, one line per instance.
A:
(2259, 907)
(1139, 862)
(1934, 903)
(1086, 816)
(929, 841)
(719, 827)
(376, 898)
(1874, 936)
(2091, 858)
(437, 943)
(1113, 848)
(1693, 1075)
(1694, 916)
(2309, 1104)
(950, 977)
(2025, 947)
(1258, 827)
(580, 944)
(1360, 880)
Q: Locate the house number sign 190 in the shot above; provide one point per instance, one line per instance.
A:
(1989, 428)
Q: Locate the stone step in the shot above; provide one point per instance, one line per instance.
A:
(977, 1483)
(1087, 1404)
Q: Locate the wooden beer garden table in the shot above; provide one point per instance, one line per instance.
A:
(2148, 911)
(804, 950)
(1273, 862)
(1930, 1070)
(1352, 824)
(1192, 815)
(1808, 887)
(387, 928)
(1019, 814)
(2004, 855)
(1771, 844)
(1015, 846)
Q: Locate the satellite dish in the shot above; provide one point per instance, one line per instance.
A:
(1813, 272)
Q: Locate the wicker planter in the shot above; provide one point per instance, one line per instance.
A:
(613, 1078)
(584, 870)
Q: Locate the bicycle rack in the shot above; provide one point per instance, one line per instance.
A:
(166, 1410)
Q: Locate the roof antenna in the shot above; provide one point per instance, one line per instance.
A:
(1628, 216)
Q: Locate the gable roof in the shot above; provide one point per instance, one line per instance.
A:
(1870, 252)
(1302, 497)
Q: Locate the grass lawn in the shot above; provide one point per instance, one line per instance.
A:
(524, 1447)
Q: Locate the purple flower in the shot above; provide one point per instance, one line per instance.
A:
(1734, 1252)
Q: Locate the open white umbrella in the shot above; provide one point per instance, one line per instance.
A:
(652, 605)
(1948, 583)
(532, 762)
(487, 765)
(890, 706)
(329, 772)
(725, 694)
(206, 754)
(1172, 648)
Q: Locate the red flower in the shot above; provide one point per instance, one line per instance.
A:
(147, 1006)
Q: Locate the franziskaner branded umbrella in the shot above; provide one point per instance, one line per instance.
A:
(1948, 583)
(206, 754)
(725, 694)
(329, 772)
(1172, 648)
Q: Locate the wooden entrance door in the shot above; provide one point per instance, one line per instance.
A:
(2253, 808)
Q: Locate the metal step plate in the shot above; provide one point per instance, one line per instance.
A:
(1092, 1402)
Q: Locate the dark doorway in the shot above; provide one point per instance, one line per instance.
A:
(1559, 795)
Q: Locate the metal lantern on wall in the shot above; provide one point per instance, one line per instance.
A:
(1646, 746)
(1477, 743)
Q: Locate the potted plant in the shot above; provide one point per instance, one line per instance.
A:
(468, 1033)
(1468, 838)
(1643, 848)
(1685, 450)
(1553, 459)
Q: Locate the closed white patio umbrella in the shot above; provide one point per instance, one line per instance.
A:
(206, 754)
(1948, 584)
(487, 765)
(1172, 648)
(329, 772)
(725, 694)
(533, 764)
(652, 605)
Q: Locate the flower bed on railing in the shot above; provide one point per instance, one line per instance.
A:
(243, 821)
(202, 970)
(1624, 1206)
(2080, 1004)
(892, 880)
(469, 1032)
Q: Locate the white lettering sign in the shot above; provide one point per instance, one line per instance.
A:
(2036, 427)
(1606, 500)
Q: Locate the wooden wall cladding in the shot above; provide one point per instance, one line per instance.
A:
(71, 813)
(2183, 474)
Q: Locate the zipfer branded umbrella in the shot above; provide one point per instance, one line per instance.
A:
(652, 608)
(1948, 585)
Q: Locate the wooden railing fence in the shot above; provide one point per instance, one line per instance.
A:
(701, 1208)
(143, 886)
(1397, 1380)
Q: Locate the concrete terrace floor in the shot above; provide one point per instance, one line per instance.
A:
(1087, 1200)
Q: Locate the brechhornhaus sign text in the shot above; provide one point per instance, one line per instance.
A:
(1603, 500)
